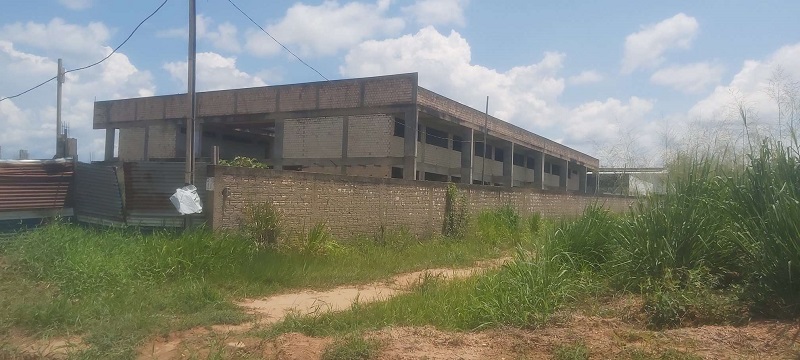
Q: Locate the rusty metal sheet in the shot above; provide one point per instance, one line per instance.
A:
(98, 196)
(148, 185)
(27, 185)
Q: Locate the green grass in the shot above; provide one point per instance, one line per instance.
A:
(117, 287)
(573, 351)
(352, 347)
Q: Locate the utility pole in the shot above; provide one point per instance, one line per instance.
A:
(190, 121)
(59, 82)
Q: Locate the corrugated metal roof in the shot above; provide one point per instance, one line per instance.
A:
(35, 184)
(148, 185)
(97, 193)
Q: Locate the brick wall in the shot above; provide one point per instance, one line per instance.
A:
(131, 144)
(312, 138)
(161, 141)
(368, 135)
(361, 205)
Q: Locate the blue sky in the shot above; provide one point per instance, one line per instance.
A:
(625, 81)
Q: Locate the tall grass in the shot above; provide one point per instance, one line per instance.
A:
(766, 216)
(686, 228)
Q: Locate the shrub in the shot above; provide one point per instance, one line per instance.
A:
(352, 348)
(690, 299)
(588, 240)
(262, 224)
(243, 161)
(455, 213)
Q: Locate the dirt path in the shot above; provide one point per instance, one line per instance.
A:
(272, 309)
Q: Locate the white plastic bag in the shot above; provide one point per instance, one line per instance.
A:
(186, 200)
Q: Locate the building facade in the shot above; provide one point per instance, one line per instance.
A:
(384, 126)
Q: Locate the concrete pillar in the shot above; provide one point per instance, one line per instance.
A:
(467, 149)
(345, 132)
(421, 164)
(110, 138)
(582, 179)
(508, 165)
(277, 146)
(198, 139)
(538, 171)
(563, 170)
(410, 144)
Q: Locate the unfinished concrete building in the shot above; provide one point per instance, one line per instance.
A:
(384, 126)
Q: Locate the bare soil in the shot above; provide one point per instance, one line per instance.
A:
(610, 330)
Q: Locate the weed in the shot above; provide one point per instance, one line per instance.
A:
(455, 213)
(262, 224)
(573, 351)
(352, 347)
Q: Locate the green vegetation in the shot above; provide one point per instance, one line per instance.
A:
(720, 246)
(243, 161)
(352, 348)
(117, 287)
(573, 351)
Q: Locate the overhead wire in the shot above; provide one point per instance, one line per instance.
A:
(276, 40)
(95, 63)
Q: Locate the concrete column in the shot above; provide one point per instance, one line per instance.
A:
(110, 138)
(538, 171)
(562, 174)
(410, 144)
(421, 165)
(508, 165)
(277, 146)
(146, 146)
(582, 179)
(198, 139)
(345, 132)
(467, 147)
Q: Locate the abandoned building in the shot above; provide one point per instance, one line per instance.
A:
(385, 126)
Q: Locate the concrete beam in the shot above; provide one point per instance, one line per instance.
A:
(345, 132)
(110, 139)
(538, 171)
(582, 179)
(277, 146)
(467, 146)
(508, 165)
(411, 118)
(563, 170)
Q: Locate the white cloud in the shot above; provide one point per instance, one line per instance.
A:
(214, 72)
(59, 38)
(645, 49)
(326, 28)
(76, 4)
(29, 120)
(438, 12)
(524, 95)
(223, 37)
(586, 77)
(691, 78)
(750, 87)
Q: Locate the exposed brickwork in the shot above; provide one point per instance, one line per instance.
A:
(297, 97)
(360, 205)
(389, 91)
(255, 100)
(150, 108)
(497, 126)
(131, 144)
(340, 95)
(312, 138)
(175, 107)
(215, 103)
(368, 136)
(161, 142)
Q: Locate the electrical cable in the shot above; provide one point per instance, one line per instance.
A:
(96, 63)
(276, 40)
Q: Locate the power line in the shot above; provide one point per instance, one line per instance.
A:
(96, 63)
(276, 40)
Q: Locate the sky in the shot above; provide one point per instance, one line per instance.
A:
(624, 81)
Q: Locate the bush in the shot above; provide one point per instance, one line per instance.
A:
(455, 213)
(261, 224)
(690, 299)
(352, 348)
(243, 161)
(589, 240)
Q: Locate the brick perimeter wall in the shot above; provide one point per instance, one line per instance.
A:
(359, 205)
